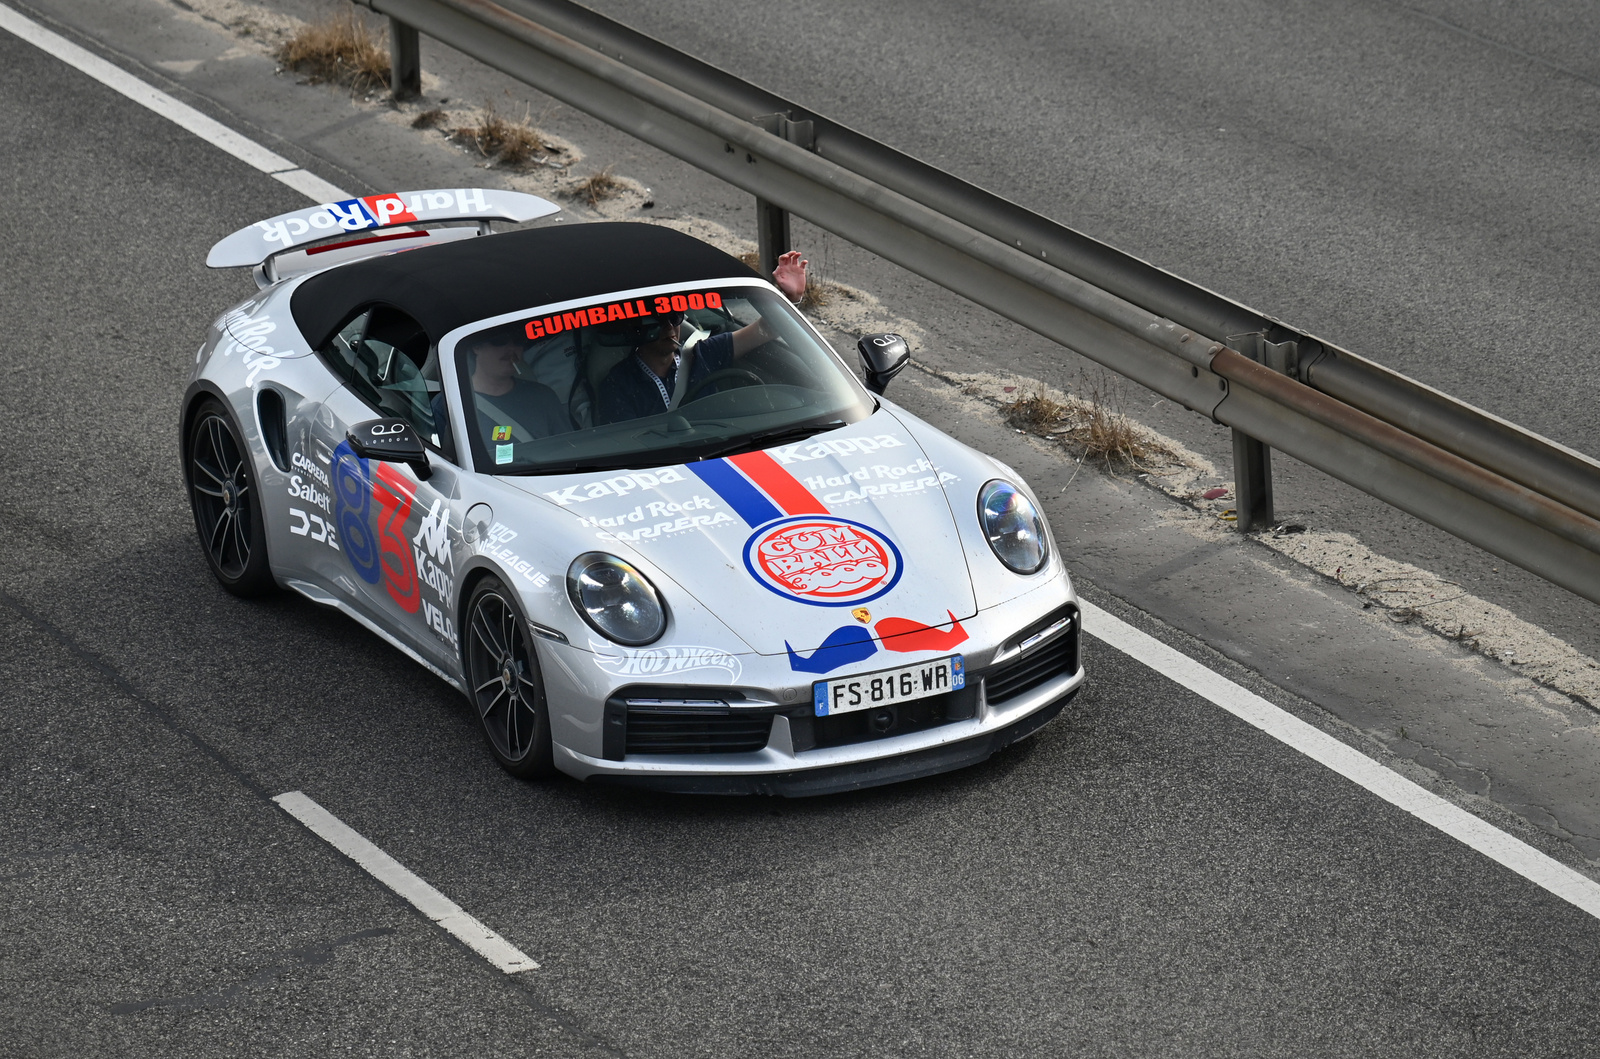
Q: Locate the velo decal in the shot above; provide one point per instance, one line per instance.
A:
(823, 561)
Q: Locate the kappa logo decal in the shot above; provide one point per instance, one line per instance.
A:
(824, 561)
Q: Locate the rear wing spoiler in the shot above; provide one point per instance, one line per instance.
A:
(258, 244)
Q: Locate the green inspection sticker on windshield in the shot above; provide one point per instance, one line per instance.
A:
(501, 433)
(502, 454)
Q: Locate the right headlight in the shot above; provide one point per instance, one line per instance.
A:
(616, 600)
(1014, 529)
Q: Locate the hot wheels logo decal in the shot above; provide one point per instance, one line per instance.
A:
(824, 561)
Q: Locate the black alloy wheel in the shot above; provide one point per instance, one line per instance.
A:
(504, 682)
(227, 511)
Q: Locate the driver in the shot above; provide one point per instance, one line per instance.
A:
(643, 384)
(508, 408)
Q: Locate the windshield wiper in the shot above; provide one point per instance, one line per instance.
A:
(768, 438)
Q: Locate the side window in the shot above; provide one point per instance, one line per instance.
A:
(389, 362)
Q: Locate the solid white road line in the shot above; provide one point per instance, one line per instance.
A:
(430, 902)
(1541, 870)
(146, 95)
(1456, 822)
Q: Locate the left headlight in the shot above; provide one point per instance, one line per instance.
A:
(616, 600)
(1015, 531)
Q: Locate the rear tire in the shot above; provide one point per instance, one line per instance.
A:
(226, 502)
(504, 682)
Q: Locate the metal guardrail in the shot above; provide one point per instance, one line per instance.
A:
(1489, 482)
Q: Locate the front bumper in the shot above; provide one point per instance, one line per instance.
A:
(778, 768)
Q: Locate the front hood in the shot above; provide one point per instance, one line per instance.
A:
(831, 544)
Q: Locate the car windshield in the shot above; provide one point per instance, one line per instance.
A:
(649, 379)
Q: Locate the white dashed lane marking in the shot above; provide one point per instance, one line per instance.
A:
(397, 877)
(1541, 870)
(182, 114)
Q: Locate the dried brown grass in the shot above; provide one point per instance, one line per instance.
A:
(429, 119)
(598, 187)
(501, 140)
(1096, 423)
(338, 50)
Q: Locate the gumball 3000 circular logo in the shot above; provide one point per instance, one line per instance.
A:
(828, 562)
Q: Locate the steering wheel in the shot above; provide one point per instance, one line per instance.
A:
(751, 378)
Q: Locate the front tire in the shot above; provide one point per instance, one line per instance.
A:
(504, 682)
(226, 502)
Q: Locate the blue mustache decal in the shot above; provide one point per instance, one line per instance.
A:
(844, 645)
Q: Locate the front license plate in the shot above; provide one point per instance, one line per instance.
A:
(888, 687)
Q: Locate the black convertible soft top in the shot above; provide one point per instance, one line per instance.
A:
(453, 284)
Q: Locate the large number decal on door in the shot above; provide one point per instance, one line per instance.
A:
(386, 553)
(353, 511)
(394, 497)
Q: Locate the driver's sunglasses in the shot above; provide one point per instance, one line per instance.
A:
(652, 332)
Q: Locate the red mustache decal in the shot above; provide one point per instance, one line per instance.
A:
(903, 634)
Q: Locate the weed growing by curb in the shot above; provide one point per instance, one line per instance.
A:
(597, 188)
(501, 140)
(338, 50)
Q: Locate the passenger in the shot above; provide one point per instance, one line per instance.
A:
(643, 384)
(507, 408)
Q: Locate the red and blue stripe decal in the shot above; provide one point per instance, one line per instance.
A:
(757, 488)
(760, 491)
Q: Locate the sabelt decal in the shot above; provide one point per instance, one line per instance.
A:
(661, 661)
(824, 561)
(850, 644)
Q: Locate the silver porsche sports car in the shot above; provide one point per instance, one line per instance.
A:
(608, 483)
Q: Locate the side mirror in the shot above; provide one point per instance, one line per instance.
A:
(882, 358)
(390, 440)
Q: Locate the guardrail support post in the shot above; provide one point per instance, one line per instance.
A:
(772, 235)
(1252, 483)
(1252, 460)
(405, 60)
(772, 222)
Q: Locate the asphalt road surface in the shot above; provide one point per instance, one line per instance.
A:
(1412, 181)
(1147, 876)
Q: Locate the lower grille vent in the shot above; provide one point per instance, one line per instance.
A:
(1038, 665)
(654, 730)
